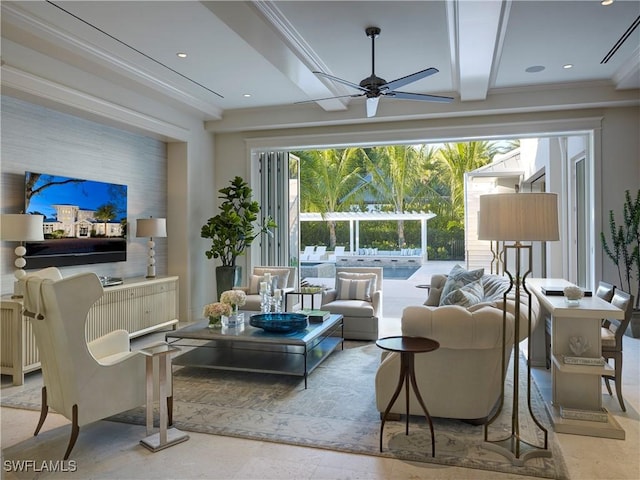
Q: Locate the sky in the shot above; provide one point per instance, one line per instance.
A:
(86, 194)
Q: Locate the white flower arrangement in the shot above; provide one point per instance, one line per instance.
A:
(217, 310)
(235, 298)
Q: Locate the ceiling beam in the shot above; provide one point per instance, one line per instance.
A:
(479, 29)
(255, 22)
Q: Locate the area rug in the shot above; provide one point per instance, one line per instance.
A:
(336, 412)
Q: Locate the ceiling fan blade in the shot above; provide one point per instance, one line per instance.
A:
(372, 106)
(419, 96)
(329, 98)
(344, 82)
(414, 77)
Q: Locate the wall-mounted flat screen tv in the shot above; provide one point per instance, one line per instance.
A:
(85, 221)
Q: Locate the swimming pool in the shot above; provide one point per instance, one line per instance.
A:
(398, 272)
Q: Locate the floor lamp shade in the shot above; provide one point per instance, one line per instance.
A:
(151, 227)
(518, 217)
(20, 227)
(515, 218)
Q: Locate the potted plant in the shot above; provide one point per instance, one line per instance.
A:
(624, 251)
(233, 230)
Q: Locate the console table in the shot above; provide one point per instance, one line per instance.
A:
(577, 389)
(138, 305)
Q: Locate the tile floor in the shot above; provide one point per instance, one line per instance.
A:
(107, 450)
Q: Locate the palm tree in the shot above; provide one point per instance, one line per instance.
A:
(401, 175)
(105, 213)
(456, 159)
(329, 182)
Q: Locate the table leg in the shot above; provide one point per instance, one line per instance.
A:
(412, 375)
(401, 380)
(405, 362)
(162, 398)
(149, 366)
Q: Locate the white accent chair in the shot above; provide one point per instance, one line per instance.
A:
(84, 381)
(308, 251)
(319, 255)
(361, 315)
(461, 379)
(337, 252)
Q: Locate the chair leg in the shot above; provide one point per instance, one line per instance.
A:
(170, 411)
(618, 381)
(75, 430)
(606, 383)
(44, 409)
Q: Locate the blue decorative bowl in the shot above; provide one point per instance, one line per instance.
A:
(279, 322)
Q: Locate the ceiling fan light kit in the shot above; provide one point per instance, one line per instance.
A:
(374, 87)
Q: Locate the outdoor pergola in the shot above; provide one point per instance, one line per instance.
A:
(354, 219)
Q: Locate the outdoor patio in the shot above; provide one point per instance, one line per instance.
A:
(398, 293)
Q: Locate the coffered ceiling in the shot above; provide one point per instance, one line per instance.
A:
(248, 62)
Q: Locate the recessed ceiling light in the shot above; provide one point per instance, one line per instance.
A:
(246, 95)
(606, 2)
(567, 66)
(534, 69)
(181, 55)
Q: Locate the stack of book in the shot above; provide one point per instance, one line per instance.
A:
(316, 316)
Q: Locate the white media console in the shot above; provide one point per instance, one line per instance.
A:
(138, 305)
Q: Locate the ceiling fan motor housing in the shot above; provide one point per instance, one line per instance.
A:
(373, 83)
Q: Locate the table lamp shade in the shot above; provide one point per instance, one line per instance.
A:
(20, 227)
(151, 227)
(518, 217)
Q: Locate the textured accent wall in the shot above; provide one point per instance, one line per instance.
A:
(40, 139)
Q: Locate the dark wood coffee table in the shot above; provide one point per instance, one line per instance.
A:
(251, 349)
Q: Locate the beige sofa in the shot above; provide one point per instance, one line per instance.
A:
(361, 312)
(462, 379)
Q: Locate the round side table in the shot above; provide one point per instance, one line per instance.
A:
(407, 347)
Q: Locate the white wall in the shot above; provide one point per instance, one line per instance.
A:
(173, 179)
(39, 139)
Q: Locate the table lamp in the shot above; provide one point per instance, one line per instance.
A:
(517, 217)
(20, 227)
(151, 227)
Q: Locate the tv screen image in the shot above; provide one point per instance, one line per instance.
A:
(85, 221)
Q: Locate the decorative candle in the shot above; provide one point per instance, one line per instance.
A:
(263, 287)
(277, 294)
(267, 278)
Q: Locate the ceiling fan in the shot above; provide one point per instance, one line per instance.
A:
(374, 87)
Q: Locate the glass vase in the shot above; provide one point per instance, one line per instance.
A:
(215, 322)
(233, 320)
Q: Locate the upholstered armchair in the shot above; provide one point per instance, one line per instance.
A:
(282, 277)
(357, 296)
(461, 379)
(83, 381)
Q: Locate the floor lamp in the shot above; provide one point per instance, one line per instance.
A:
(151, 227)
(20, 227)
(517, 217)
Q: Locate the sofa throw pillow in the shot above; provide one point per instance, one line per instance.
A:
(372, 277)
(466, 296)
(281, 273)
(459, 277)
(435, 294)
(255, 280)
(350, 289)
